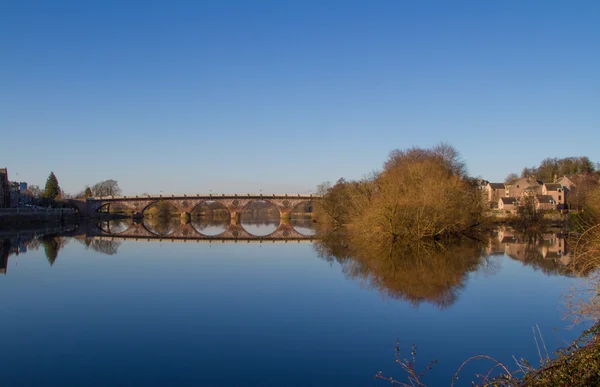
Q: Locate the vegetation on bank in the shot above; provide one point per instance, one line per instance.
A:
(420, 195)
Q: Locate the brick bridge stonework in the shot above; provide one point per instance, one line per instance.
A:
(185, 204)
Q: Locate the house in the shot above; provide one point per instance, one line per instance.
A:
(4, 189)
(545, 202)
(532, 190)
(565, 182)
(15, 194)
(508, 204)
(516, 188)
(556, 191)
(493, 192)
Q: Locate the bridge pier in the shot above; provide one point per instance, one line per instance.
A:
(285, 213)
(186, 217)
(138, 215)
(235, 217)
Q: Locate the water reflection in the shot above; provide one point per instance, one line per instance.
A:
(436, 272)
(260, 226)
(20, 242)
(210, 226)
(433, 273)
(304, 225)
(104, 246)
(115, 226)
(548, 252)
(199, 227)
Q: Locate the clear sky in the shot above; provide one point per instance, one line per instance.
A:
(238, 96)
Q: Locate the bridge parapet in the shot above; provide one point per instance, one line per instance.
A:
(202, 196)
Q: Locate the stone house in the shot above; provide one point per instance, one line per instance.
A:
(556, 191)
(545, 202)
(565, 182)
(516, 188)
(508, 204)
(493, 192)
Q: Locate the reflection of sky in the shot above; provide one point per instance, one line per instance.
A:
(209, 228)
(261, 314)
(259, 227)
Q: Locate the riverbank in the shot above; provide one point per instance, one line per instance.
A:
(13, 218)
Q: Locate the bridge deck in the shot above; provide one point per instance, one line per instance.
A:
(205, 196)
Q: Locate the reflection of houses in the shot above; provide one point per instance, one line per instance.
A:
(549, 247)
(6, 250)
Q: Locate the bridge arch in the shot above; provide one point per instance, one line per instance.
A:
(117, 225)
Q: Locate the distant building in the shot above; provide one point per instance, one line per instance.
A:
(493, 192)
(4, 188)
(15, 194)
(517, 187)
(565, 182)
(545, 202)
(556, 191)
(508, 204)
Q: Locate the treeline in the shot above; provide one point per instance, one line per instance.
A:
(552, 168)
(108, 187)
(420, 195)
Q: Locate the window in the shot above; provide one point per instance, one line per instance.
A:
(559, 197)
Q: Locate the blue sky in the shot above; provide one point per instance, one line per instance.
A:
(238, 96)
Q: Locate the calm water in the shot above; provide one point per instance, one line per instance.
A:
(155, 313)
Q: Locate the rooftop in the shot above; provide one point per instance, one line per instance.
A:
(509, 200)
(553, 186)
(545, 199)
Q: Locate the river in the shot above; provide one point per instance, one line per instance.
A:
(94, 311)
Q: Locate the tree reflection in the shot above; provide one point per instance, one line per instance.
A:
(115, 226)
(52, 245)
(426, 272)
(103, 246)
(162, 225)
(210, 226)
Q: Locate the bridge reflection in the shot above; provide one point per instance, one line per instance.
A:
(179, 231)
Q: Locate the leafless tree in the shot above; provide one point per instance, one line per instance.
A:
(106, 188)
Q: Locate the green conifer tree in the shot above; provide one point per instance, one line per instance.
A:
(88, 192)
(52, 189)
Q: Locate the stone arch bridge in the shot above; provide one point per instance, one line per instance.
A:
(235, 203)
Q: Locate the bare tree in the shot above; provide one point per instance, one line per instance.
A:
(36, 191)
(106, 188)
(511, 177)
